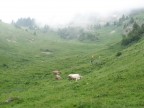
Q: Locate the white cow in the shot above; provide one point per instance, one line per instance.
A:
(74, 77)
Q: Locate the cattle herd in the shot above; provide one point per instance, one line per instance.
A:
(70, 76)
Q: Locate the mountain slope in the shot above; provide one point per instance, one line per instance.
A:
(27, 80)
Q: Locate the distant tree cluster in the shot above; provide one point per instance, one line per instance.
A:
(136, 34)
(69, 32)
(88, 36)
(77, 33)
(26, 22)
(122, 20)
(94, 26)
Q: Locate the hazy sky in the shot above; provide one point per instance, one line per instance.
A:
(61, 11)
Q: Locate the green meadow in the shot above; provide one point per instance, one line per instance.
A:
(114, 79)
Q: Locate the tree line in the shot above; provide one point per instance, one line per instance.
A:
(25, 22)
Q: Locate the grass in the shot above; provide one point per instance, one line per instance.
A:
(26, 73)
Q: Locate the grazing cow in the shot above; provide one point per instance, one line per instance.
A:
(74, 77)
(56, 72)
(58, 77)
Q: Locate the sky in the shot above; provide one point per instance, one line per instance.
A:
(55, 12)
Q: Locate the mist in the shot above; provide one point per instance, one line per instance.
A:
(67, 12)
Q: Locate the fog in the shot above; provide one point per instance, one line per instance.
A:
(61, 12)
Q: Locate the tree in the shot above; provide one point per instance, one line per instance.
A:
(107, 24)
(131, 20)
(142, 29)
(26, 22)
(136, 27)
(134, 35)
(45, 29)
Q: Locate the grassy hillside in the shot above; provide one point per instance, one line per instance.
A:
(27, 62)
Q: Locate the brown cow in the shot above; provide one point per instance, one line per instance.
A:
(56, 72)
(58, 77)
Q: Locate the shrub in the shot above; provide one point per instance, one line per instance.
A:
(118, 54)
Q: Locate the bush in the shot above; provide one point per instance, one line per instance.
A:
(118, 54)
